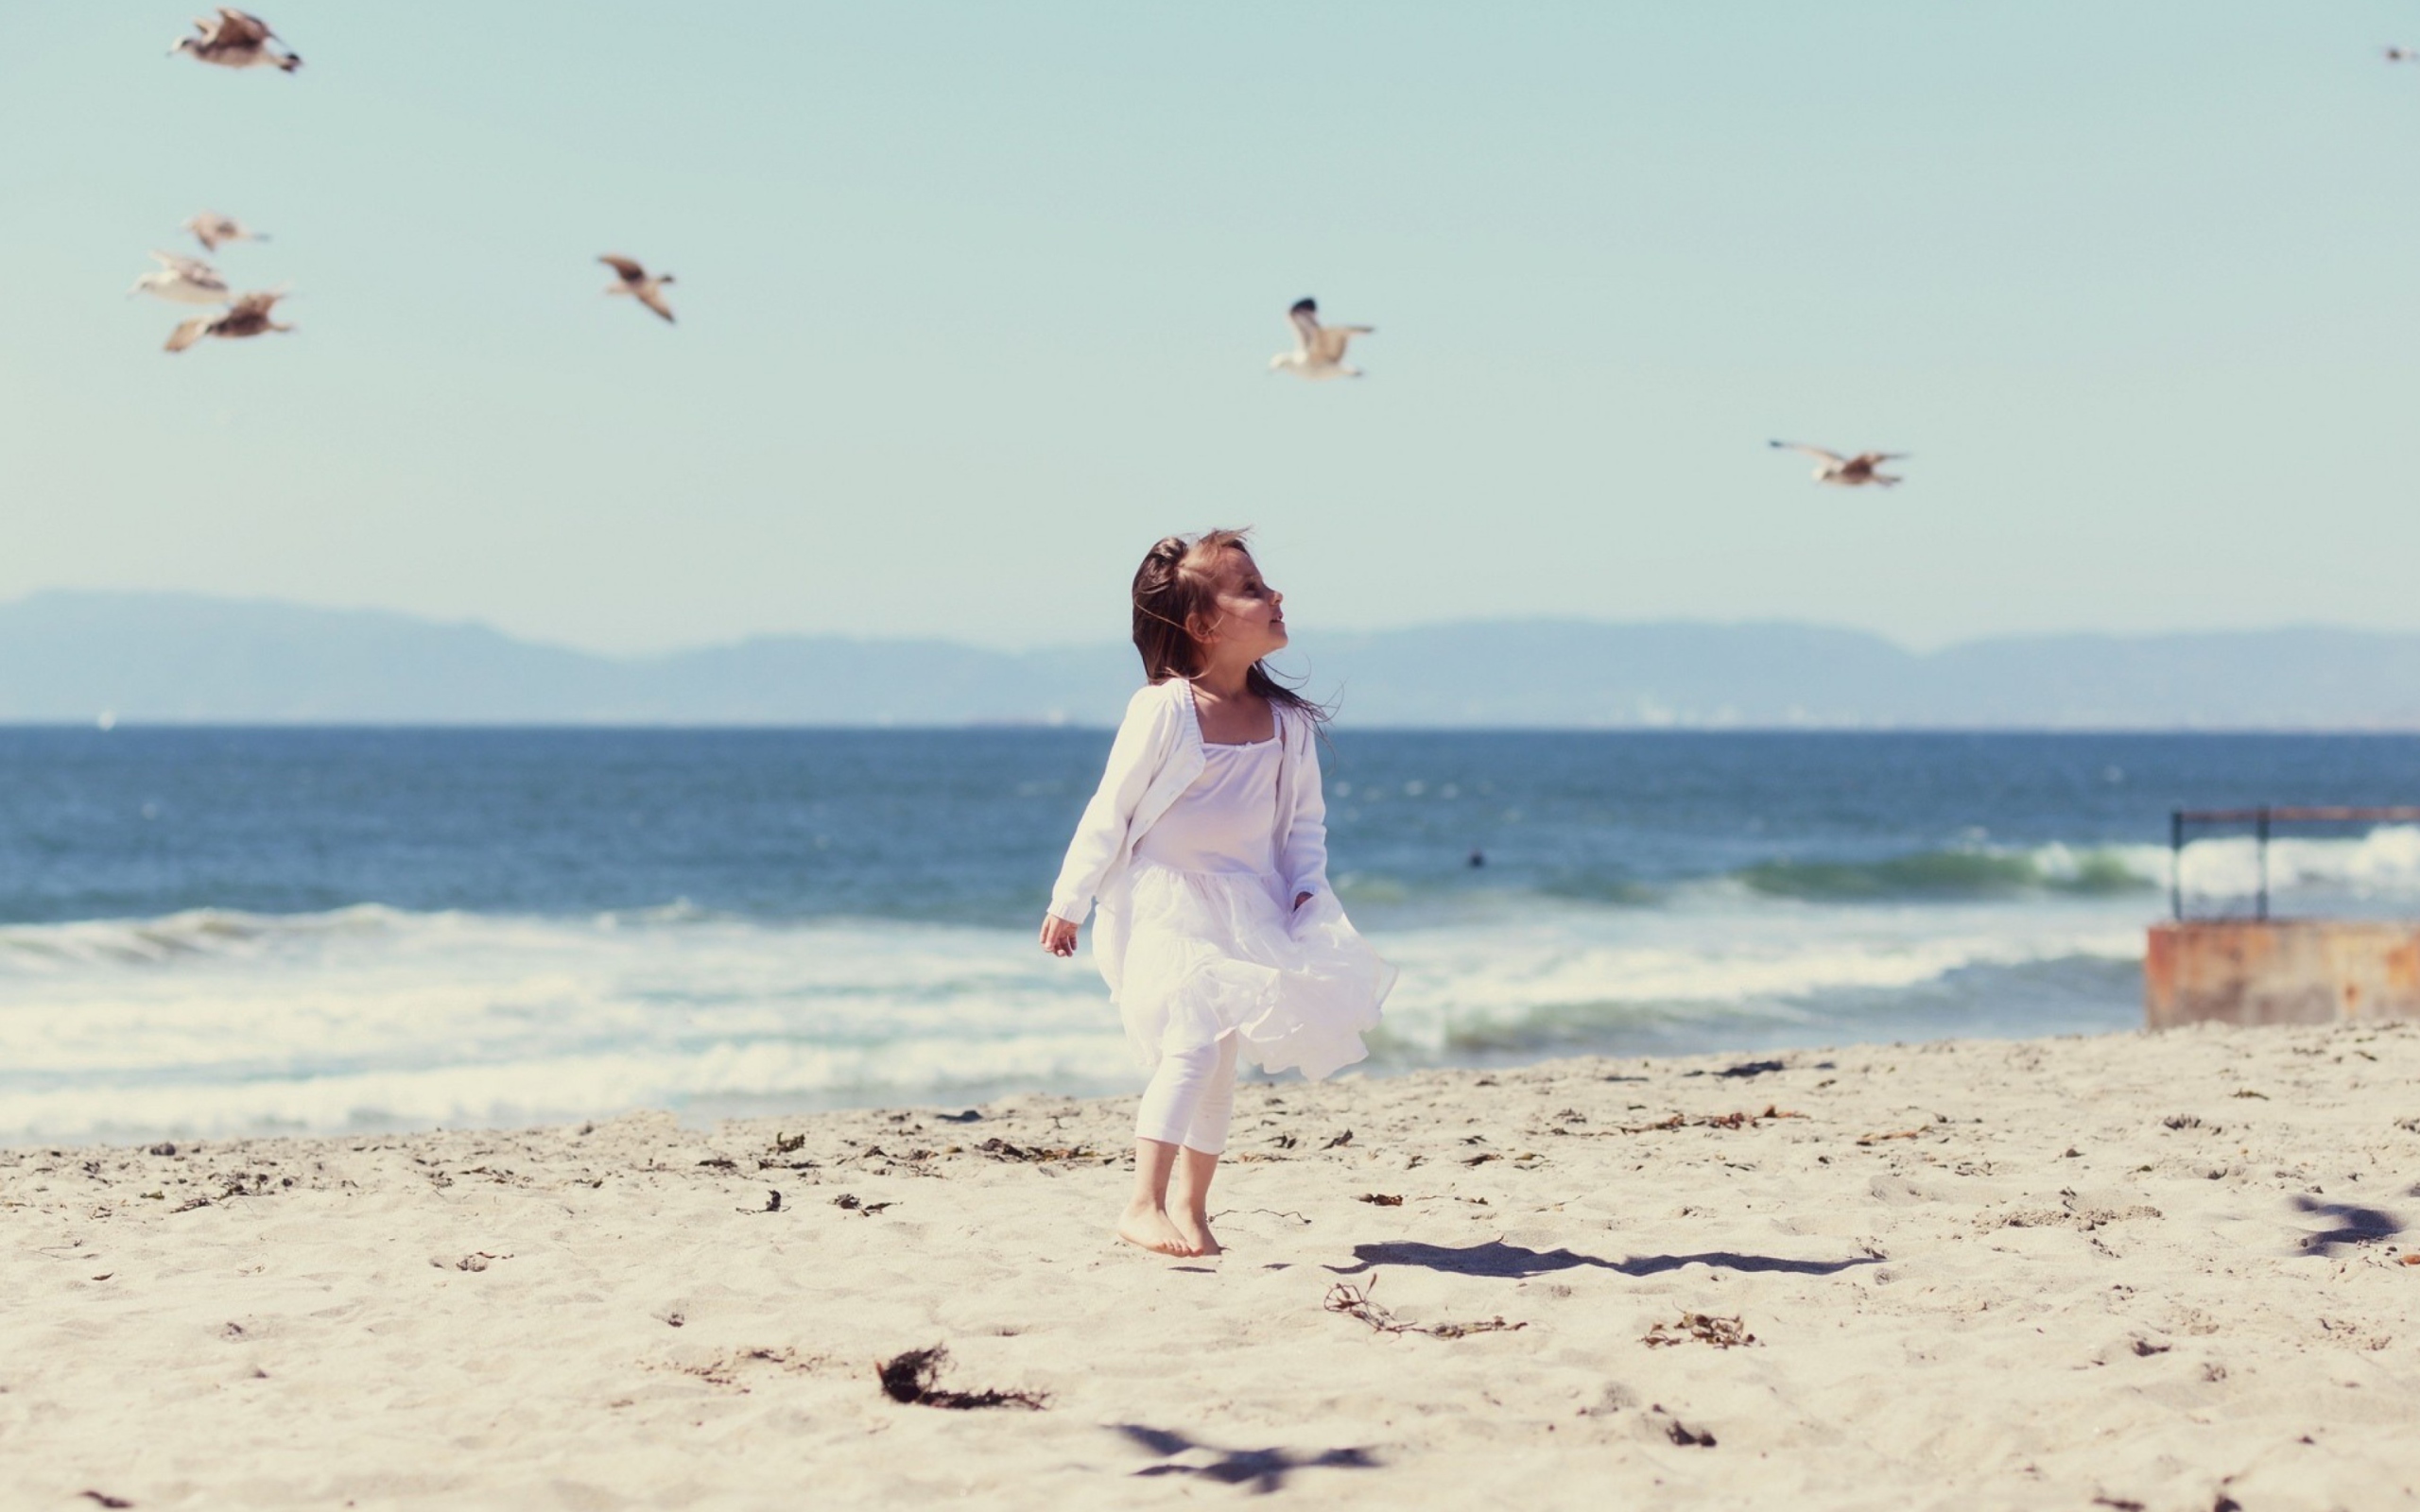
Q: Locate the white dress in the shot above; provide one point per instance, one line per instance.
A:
(1203, 938)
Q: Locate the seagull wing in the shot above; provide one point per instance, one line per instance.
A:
(190, 331)
(1816, 451)
(238, 29)
(257, 303)
(632, 272)
(653, 299)
(1305, 316)
(1870, 458)
(191, 269)
(1333, 339)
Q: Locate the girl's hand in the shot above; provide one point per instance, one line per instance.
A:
(1058, 936)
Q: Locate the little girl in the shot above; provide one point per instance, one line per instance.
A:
(1206, 846)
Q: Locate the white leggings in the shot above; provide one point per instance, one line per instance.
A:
(1190, 1097)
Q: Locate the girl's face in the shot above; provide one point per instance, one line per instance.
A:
(1252, 619)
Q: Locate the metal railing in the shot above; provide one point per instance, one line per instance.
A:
(2261, 820)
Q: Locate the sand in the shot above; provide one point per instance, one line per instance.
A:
(2126, 1271)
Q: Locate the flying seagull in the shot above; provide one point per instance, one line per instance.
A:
(183, 280)
(2403, 54)
(214, 231)
(638, 284)
(1845, 471)
(248, 317)
(1318, 349)
(238, 41)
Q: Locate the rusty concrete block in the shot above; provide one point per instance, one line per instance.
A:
(2313, 970)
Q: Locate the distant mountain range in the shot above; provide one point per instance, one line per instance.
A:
(72, 657)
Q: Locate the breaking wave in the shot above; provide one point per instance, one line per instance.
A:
(1964, 874)
(212, 1022)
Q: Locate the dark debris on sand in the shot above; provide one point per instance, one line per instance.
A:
(1356, 1302)
(1677, 1430)
(911, 1378)
(1000, 1150)
(1676, 1121)
(1722, 1333)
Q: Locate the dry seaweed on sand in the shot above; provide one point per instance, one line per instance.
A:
(851, 1202)
(1895, 1134)
(1743, 1119)
(1722, 1333)
(1000, 1150)
(1382, 1199)
(1355, 1301)
(783, 1154)
(909, 1377)
(1678, 1121)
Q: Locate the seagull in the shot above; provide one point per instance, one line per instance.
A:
(637, 284)
(1318, 349)
(213, 230)
(1845, 471)
(183, 280)
(2403, 54)
(238, 41)
(248, 317)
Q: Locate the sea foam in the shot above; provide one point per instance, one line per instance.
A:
(373, 1017)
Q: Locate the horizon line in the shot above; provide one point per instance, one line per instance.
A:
(1044, 648)
(117, 724)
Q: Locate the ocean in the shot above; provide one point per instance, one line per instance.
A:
(213, 931)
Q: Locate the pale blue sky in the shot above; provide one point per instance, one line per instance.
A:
(976, 301)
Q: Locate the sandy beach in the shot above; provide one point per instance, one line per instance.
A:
(2130, 1271)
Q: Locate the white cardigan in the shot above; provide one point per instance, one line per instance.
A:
(1155, 758)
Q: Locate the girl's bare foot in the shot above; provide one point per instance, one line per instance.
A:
(1189, 1199)
(1151, 1228)
(1195, 1227)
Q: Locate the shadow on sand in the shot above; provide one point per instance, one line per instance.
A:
(1262, 1469)
(2354, 1226)
(1496, 1258)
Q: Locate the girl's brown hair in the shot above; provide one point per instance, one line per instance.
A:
(1177, 589)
